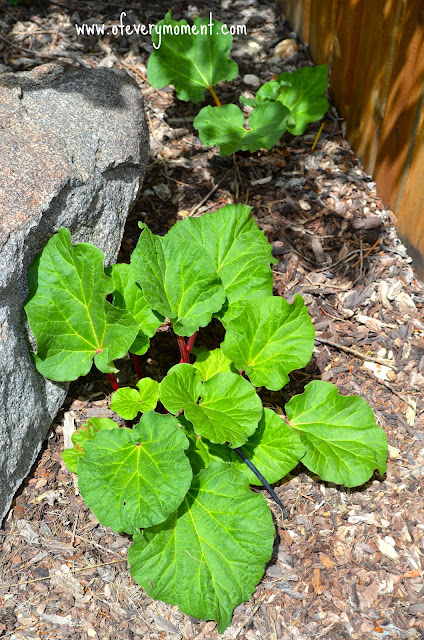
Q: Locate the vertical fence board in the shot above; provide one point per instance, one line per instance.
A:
(375, 51)
(321, 30)
(299, 13)
(399, 123)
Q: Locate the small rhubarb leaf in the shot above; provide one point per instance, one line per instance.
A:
(343, 443)
(129, 295)
(179, 388)
(274, 449)
(133, 478)
(210, 554)
(239, 249)
(87, 432)
(201, 451)
(179, 280)
(210, 362)
(247, 102)
(129, 402)
(191, 59)
(224, 127)
(301, 91)
(269, 339)
(229, 410)
(68, 313)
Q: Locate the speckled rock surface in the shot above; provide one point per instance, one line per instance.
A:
(73, 150)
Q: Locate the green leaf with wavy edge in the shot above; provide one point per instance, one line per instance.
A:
(210, 554)
(86, 432)
(179, 280)
(201, 451)
(68, 313)
(274, 449)
(132, 478)
(210, 362)
(179, 388)
(224, 127)
(189, 61)
(343, 443)
(229, 410)
(301, 91)
(129, 402)
(269, 339)
(239, 249)
(129, 295)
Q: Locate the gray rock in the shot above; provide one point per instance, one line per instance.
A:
(73, 150)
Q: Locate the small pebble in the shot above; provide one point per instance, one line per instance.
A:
(251, 80)
(285, 49)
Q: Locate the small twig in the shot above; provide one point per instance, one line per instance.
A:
(317, 136)
(262, 479)
(113, 381)
(358, 354)
(390, 388)
(367, 253)
(137, 365)
(208, 195)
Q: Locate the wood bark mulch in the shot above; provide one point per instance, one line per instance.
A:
(346, 563)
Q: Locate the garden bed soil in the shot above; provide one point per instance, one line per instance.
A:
(347, 563)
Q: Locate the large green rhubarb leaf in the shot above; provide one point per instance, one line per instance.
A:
(239, 249)
(201, 451)
(87, 432)
(191, 58)
(133, 478)
(274, 448)
(269, 339)
(129, 295)
(68, 313)
(301, 91)
(224, 127)
(129, 402)
(179, 388)
(179, 280)
(210, 362)
(343, 443)
(209, 555)
(229, 410)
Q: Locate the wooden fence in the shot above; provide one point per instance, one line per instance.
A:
(375, 53)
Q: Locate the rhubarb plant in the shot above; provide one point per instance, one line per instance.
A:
(177, 476)
(195, 58)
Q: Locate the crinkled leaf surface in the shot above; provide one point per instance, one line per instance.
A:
(180, 387)
(129, 402)
(133, 478)
(274, 448)
(210, 554)
(86, 432)
(269, 339)
(201, 451)
(191, 62)
(343, 443)
(210, 362)
(68, 313)
(224, 127)
(229, 410)
(239, 249)
(129, 295)
(302, 91)
(179, 280)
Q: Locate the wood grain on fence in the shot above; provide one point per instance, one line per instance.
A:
(375, 53)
